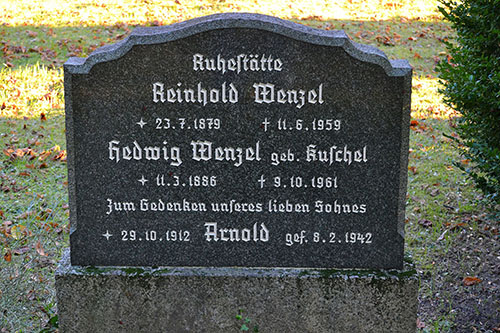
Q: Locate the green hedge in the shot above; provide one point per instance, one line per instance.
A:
(471, 77)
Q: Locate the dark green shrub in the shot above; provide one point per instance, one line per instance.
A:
(472, 87)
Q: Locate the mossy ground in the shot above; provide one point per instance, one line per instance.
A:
(450, 231)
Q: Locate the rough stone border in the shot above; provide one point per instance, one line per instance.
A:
(185, 299)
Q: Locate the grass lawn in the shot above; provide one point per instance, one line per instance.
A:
(451, 232)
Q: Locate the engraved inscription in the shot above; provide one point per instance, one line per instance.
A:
(242, 62)
(199, 150)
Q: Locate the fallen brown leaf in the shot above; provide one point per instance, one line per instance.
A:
(44, 155)
(455, 226)
(44, 214)
(413, 169)
(25, 215)
(39, 249)
(21, 250)
(60, 156)
(434, 192)
(18, 231)
(425, 223)
(471, 280)
(8, 152)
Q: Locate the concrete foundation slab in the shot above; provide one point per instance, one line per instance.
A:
(178, 299)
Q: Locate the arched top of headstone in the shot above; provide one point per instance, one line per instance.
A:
(163, 34)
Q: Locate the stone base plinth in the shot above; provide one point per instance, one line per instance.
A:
(180, 299)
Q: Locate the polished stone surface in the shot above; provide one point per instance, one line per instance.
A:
(140, 196)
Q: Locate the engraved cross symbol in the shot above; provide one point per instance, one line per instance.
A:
(107, 235)
(141, 123)
(264, 124)
(262, 180)
(142, 180)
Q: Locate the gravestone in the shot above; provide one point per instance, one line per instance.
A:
(233, 161)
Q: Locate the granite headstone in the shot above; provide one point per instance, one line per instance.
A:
(237, 140)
